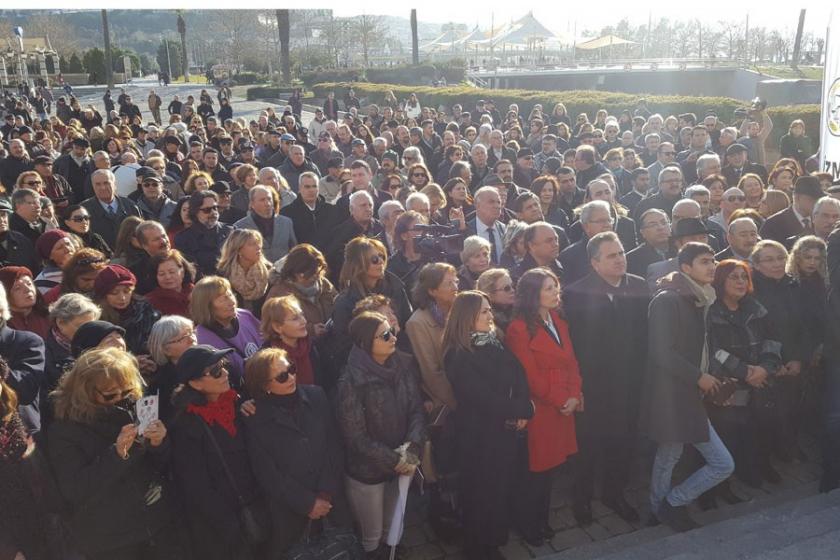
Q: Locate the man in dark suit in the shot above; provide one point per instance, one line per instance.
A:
(27, 211)
(486, 224)
(670, 191)
(310, 213)
(595, 218)
(360, 176)
(797, 217)
(742, 237)
(107, 210)
(607, 304)
(15, 248)
(737, 165)
(359, 223)
(542, 247)
(655, 229)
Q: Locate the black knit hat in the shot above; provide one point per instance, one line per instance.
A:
(91, 334)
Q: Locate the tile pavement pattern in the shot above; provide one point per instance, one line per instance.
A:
(799, 479)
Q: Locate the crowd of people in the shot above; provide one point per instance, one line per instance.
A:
(472, 297)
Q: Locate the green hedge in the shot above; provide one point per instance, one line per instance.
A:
(267, 92)
(410, 75)
(248, 78)
(579, 101)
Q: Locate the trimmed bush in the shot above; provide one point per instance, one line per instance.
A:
(267, 92)
(247, 78)
(579, 101)
(404, 74)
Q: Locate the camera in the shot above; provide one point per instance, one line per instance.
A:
(436, 242)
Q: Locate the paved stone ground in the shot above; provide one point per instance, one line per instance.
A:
(799, 478)
(139, 90)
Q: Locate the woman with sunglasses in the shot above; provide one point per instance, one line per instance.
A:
(284, 326)
(75, 219)
(498, 285)
(380, 414)
(294, 447)
(364, 273)
(111, 476)
(494, 406)
(210, 458)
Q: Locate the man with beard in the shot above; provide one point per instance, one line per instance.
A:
(202, 242)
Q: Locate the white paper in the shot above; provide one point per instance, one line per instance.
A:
(147, 412)
(395, 531)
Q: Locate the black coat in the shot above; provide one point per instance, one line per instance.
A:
(203, 246)
(311, 226)
(746, 337)
(490, 387)
(641, 257)
(340, 235)
(611, 380)
(18, 251)
(21, 226)
(105, 224)
(781, 225)
(296, 455)
(782, 299)
(575, 261)
(208, 495)
(672, 405)
(379, 409)
(108, 496)
(24, 352)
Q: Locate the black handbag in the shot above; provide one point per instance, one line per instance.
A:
(252, 529)
(333, 543)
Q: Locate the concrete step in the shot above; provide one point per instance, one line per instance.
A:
(749, 530)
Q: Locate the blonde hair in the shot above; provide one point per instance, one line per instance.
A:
(356, 262)
(489, 278)
(201, 303)
(189, 184)
(473, 245)
(806, 243)
(233, 244)
(276, 310)
(75, 397)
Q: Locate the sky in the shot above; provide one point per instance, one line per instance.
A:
(558, 15)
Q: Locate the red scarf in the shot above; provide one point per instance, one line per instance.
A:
(299, 354)
(221, 412)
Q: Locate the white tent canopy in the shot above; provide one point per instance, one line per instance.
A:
(605, 41)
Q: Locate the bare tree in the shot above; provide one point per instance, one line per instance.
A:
(370, 29)
(733, 34)
(63, 35)
(237, 28)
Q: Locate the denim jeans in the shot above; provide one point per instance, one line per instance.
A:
(719, 466)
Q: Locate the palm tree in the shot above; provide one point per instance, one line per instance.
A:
(283, 31)
(182, 29)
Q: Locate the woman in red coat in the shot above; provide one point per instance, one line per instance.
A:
(540, 339)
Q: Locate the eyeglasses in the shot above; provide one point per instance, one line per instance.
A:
(209, 209)
(217, 370)
(736, 198)
(284, 377)
(377, 259)
(190, 334)
(80, 219)
(662, 224)
(506, 288)
(738, 277)
(120, 395)
(386, 336)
